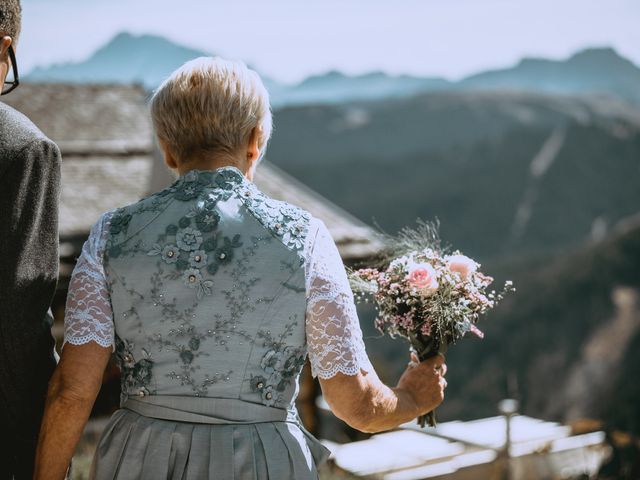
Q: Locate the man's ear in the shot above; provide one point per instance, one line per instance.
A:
(5, 42)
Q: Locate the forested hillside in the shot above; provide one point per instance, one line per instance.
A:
(505, 173)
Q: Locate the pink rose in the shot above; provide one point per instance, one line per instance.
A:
(422, 277)
(462, 265)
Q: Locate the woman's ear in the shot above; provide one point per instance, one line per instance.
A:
(253, 148)
(169, 159)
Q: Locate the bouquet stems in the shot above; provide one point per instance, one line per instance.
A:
(424, 348)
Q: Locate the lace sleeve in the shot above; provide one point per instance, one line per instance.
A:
(88, 315)
(334, 337)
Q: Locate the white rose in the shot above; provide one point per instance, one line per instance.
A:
(462, 265)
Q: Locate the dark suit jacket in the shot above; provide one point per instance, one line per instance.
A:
(29, 192)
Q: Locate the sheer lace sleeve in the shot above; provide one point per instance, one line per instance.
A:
(88, 314)
(334, 337)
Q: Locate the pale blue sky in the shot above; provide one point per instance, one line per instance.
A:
(290, 39)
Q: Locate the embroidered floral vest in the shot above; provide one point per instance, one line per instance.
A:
(207, 283)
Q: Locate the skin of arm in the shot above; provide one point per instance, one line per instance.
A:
(72, 392)
(365, 403)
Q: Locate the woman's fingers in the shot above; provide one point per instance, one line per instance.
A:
(438, 364)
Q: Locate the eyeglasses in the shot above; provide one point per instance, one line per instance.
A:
(10, 85)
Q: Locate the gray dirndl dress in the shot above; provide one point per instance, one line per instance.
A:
(212, 295)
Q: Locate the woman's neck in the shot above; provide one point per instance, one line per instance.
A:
(213, 163)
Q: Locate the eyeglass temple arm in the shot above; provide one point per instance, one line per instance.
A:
(14, 64)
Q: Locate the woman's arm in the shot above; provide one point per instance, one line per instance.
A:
(88, 343)
(72, 391)
(337, 353)
(368, 405)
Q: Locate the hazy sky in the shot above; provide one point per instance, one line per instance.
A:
(290, 39)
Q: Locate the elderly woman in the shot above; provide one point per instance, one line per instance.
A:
(212, 295)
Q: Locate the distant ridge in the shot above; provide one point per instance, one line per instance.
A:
(587, 71)
(126, 58)
(148, 59)
(145, 59)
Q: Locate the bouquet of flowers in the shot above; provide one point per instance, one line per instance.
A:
(426, 293)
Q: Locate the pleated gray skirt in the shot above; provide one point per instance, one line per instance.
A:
(135, 446)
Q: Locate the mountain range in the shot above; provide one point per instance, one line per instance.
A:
(148, 59)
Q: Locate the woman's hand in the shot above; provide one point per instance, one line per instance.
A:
(72, 391)
(368, 405)
(424, 382)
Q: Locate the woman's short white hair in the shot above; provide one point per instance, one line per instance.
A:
(209, 106)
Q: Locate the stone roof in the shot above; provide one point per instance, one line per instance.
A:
(110, 160)
(94, 184)
(87, 119)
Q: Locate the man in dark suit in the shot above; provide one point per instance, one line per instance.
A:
(29, 192)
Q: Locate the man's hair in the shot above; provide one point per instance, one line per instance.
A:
(10, 18)
(210, 106)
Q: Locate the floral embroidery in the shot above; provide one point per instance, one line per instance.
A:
(189, 239)
(295, 236)
(198, 259)
(283, 219)
(281, 363)
(224, 253)
(198, 249)
(170, 254)
(187, 339)
(121, 218)
(189, 188)
(228, 178)
(207, 220)
(119, 221)
(286, 221)
(192, 277)
(191, 262)
(184, 222)
(268, 395)
(136, 375)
